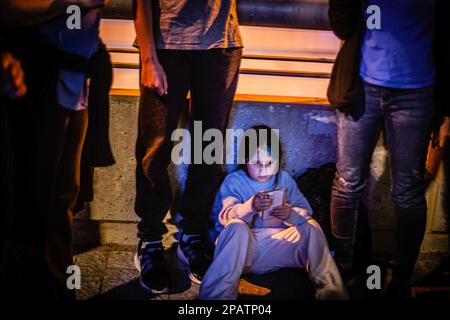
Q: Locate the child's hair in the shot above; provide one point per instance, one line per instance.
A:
(261, 140)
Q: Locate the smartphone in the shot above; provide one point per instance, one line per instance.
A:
(278, 198)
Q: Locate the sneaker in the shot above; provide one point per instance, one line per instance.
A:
(396, 291)
(347, 274)
(154, 274)
(193, 253)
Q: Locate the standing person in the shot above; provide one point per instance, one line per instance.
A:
(71, 116)
(185, 46)
(389, 76)
(46, 130)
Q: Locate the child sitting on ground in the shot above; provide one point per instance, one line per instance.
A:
(257, 241)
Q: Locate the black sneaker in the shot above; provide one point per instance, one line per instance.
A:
(347, 274)
(154, 274)
(396, 291)
(193, 253)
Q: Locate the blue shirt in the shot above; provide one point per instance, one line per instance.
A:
(72, 89)
(399, 55)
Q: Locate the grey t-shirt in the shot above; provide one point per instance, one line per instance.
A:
(196, 24)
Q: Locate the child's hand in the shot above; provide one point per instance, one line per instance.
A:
(282, 212)
(261, 201)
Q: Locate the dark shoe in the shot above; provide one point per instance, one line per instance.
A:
(396, 291)
(154, 274)
(193, 253)
(409, 233)
(343, 255)
(347, 274)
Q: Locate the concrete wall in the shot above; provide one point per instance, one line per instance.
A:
(308, 136)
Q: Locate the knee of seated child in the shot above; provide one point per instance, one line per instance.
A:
(309, 226)
(237, 225)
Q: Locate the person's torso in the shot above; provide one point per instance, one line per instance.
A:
(399, 54)
(72, 88)
(196, 24)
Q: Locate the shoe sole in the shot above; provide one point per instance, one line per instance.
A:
(185, 261)
(137, 265)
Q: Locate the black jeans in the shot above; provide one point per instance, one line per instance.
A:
(211, 77)
(407, 117)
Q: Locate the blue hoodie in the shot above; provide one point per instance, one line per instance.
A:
(235, 197)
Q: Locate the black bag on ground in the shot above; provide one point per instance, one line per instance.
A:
(316, 184)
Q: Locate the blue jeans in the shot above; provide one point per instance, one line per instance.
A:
(406, 115)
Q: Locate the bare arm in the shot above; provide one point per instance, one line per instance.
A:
(152, 73)
(144, 30)
(12, 78)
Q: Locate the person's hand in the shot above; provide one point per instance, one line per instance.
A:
(261, 201)
(12, 78)
(444, 133)
(282, 212)
(154, 77)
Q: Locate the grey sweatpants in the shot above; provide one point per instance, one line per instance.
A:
(241, 249)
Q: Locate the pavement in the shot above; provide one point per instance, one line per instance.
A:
(108, 272)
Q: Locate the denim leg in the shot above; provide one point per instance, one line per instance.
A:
(408, 116)
(357, 136)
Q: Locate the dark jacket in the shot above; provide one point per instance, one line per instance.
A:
(345, 88)
(98, 129)
(97, 150)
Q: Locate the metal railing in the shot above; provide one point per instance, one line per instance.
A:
(300, 14)
(250, 71)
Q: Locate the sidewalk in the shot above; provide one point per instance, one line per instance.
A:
(108, 272)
